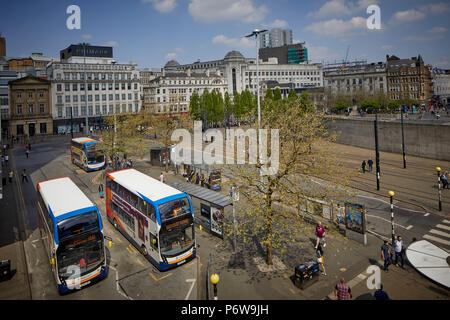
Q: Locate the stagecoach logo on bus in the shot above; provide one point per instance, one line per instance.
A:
(214, 153)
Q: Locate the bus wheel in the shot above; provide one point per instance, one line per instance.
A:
(144, 250)
(115, 224)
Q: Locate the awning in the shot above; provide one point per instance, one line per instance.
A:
(213, 197)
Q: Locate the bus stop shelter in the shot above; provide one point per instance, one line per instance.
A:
(210, 207)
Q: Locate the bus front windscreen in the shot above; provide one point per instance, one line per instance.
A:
(80, 244)
(177, 230)
(95, 153)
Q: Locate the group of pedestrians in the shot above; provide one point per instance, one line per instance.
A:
(444, 180)
(397, 249)
(367, 166)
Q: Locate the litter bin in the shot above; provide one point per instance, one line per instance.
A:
(5, 268)
(306, 274)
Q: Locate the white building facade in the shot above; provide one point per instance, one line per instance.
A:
(441, 84)
(110, 88)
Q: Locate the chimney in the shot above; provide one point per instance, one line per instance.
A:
(2, 47)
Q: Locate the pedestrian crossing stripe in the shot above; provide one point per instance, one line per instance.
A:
(440, 233)
(436, 239)
(441, 226)
(446, 221)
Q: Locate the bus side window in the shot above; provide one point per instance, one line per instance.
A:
(134, 200)
(108, 182)
(153, 241)
(142, 206)
(151, 212)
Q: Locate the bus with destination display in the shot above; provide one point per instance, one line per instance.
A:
(87, 153)
(72, 232)
(156, 218)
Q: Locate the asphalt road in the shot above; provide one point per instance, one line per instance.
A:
(130, 275)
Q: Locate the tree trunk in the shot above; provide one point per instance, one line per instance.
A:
(269, 228)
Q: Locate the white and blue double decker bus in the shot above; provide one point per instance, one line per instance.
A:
(72, 232)
(87, 153)
(156, 218)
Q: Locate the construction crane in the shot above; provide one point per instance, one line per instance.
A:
(346, 57)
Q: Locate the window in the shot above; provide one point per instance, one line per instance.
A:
(103, 97)
(129, 96)
(30, 109)
(75, 98)
(97, 97)
(123, 86)
(83, 110)
(74, 87)
(43, 128)
(41, 108)
(59, 112)
(91, 110)
(67, 98)
(58, 87)
(123, 96)
(111, 108)
(68, 111)
(75, 111)
(19, 109)
(97, 109)
(117, 96)
(97, 86)
(59, 99)
(104, 109)
(19, 129)
(89, 86)
(90, 97)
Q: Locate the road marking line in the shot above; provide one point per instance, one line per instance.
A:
(129, 250)
(441, 226)
(134, 250)
(190, 289)
(119, 239)
(426, 214)
(444, 234)
(395, 224)
(436, 239)
(140, 262)
(156, 279)
(446, 221)
(409, 227)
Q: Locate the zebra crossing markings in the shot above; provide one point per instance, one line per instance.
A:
(439, 233)
(436, 239)
(441, 226)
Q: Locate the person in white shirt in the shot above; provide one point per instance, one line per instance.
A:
(161, 177)
(398, 248)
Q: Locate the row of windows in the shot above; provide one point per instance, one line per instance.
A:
(30, 108)
(403, 80)
(284, 73)
(98, 111)
(174, 82)
(403, 73)
(30, 94)
(96, 86)
(74, 66)
(95, 76)
(59, 98)
(411, 95)
(360, 87)
(146, 208)
(42, 129)
(123, 216)
(405, 88)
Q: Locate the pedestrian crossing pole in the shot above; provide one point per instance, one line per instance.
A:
(438, 170)
(403, 142)
(391, 195)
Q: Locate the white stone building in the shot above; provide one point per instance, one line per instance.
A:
(441, 84)
(110, 88)
(171, 92)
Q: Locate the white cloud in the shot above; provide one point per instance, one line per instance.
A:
(321, 53)
(425, 37)
(87, 36)
(164, 6)
(111, 44)
(387, 46)
(437, 30)
(171, 55)
(226, 10)
(235, 43)
(277, 23)
(335, 27)
(437, 8)
(341, 8)
(407, 16)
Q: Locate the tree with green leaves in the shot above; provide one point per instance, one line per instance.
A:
(269, 94)
(195, 107)
(292, 95)
(277, 94)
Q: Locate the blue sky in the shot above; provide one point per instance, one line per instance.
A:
(151, 32)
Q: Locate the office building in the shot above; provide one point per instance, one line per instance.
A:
(275, 38)
(286, 54)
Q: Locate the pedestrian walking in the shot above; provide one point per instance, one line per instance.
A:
(24, 175)
(3, 161)
(380, 294)
(342, 291)
(385, 255)
(320, 235)
(27, 153)
(6, 160)
(370, 163)
(100, 190)
(4, 149)
(161, 177)
(444, 179)
(398, 249)
(340, 214)
(10, 175)
(363, 166)
(319, 253)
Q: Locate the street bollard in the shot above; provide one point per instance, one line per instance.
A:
(391, 195)
(214, 280)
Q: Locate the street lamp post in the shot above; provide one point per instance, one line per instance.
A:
(438, 170)
(255, 33)
(84, 44)
(114, 112)
(403, 142)
(377, 153)
(214, 280)
(391, 195)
